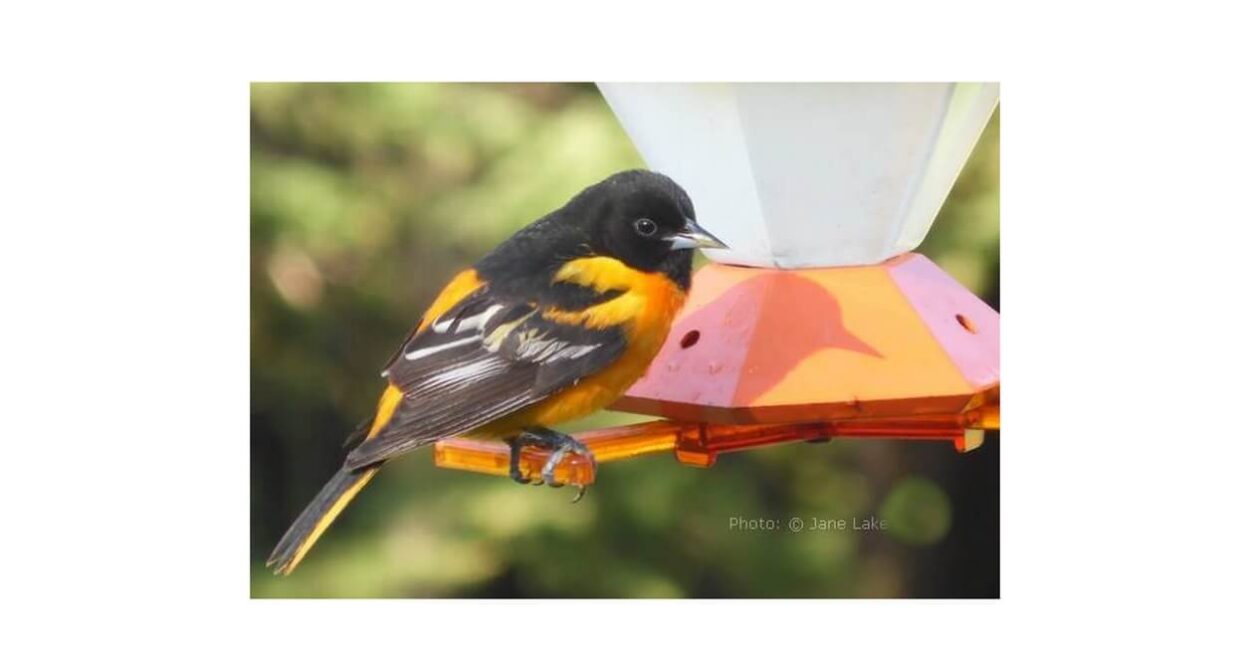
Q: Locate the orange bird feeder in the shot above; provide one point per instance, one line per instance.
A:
(819, 323)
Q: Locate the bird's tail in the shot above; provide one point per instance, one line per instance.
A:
(317, 516)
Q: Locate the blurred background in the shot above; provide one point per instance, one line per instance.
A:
(366, 199)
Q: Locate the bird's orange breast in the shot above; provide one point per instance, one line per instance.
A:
(645, 310)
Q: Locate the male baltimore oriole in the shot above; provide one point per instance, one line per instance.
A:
(555, 323)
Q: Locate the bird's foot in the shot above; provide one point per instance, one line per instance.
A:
(560, 445)
(568, 445)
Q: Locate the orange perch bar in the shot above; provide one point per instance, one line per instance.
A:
(698, 444)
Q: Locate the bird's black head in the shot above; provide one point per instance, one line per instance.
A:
(643, 219)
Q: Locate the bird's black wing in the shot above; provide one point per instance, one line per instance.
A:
(484, 358)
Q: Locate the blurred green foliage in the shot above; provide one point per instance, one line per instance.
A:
(365, 199)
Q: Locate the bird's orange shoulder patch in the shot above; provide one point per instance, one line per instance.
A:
(646, 305)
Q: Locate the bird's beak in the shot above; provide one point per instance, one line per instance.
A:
(692, 236)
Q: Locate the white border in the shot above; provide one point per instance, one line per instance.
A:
(124, 270)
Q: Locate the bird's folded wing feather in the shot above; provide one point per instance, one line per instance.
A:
(478, 362)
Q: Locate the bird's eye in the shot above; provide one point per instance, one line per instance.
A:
(645, 228)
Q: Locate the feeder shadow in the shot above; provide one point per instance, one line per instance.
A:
(779, 319)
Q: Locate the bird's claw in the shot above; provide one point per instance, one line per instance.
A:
(570, 447)
(563, 445)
